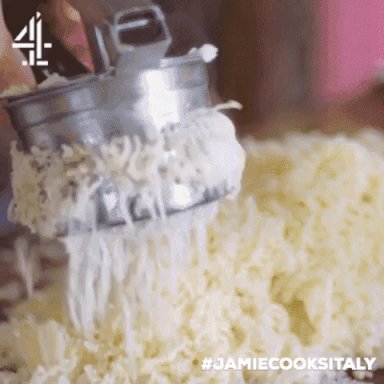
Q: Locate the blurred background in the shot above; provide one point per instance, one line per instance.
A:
(320, 60)
(304, 63)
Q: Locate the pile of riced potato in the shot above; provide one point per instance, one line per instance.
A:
(293, 267)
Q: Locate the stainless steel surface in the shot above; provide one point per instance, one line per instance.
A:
(177, 198)
(93, 110)
(130, 38)
(5, 226)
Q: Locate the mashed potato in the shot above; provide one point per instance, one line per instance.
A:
(293, 267)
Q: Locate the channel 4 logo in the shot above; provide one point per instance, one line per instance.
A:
(31, 37)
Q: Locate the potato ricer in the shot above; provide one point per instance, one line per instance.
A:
(136, 88)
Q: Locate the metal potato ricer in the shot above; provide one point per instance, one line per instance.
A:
(135, 86)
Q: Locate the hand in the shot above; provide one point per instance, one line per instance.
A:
(67, 25)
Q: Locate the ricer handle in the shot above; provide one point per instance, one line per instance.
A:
(133, 34)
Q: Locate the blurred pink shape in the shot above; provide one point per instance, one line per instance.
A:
(78, 41)
(351, 46)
